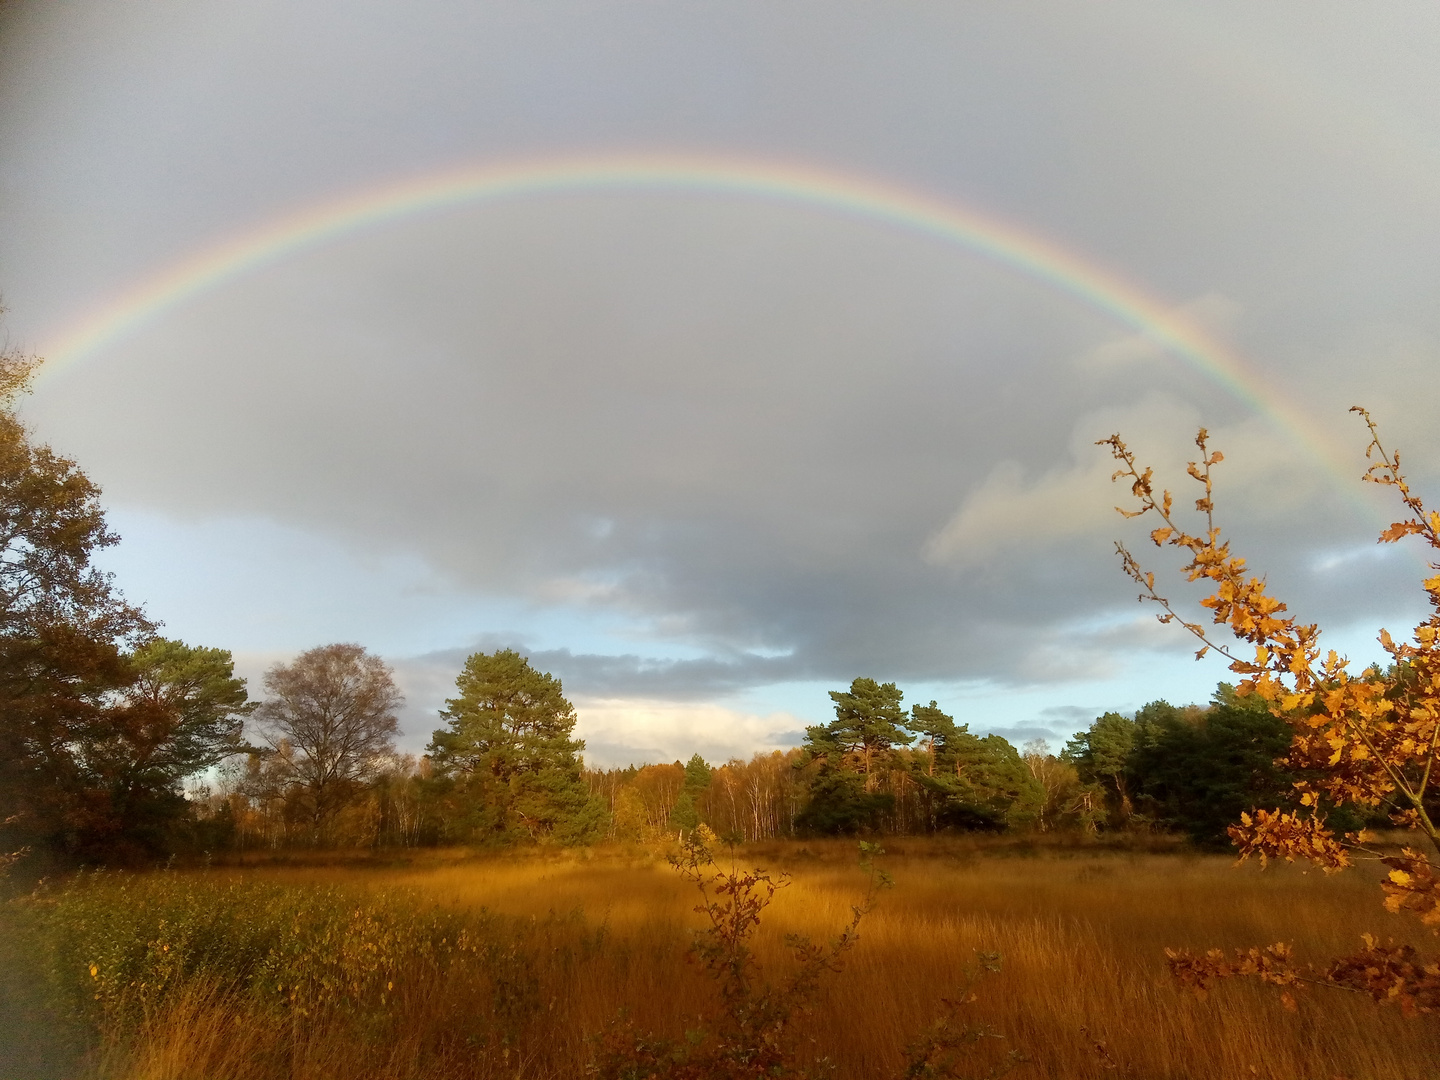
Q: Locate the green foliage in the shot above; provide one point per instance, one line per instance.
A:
(685, 818)
(1101, 756)
(698, 774)
(118, 947)
(506, 761)
(194, 700)
(840, 804)
(1193, 769)
(182, 712)
(979, 783)
(685, 815)
(1199, 771)
(868, 722)
(555, 805)
(964, 781)
(507, 718)
(935, 727)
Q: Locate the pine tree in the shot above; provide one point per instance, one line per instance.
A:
(868, 722)
(685, 817)
(509, 756)
(928, 722)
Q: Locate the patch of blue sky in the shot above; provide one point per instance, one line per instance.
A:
(253, 585)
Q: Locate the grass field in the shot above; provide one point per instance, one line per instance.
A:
(559, 942)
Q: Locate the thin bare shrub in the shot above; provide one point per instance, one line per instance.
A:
(752, 1033)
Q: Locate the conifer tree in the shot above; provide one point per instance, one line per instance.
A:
(868, 722)
(1101, 756)
(685, 817)
(930, 723)
(508, 753)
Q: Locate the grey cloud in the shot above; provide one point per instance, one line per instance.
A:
(1054, 725)
(621, 676)
(606, 754)
(735, 427)
(1062, 715)
(1020, 734)
(788, 739)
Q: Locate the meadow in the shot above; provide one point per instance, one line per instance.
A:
(451, 964)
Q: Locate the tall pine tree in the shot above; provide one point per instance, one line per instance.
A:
(868, 723)
(508, 756)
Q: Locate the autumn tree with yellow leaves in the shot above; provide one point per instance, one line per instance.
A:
(1368, 740)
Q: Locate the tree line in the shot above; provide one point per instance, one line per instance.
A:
(875, 769)
(505, 767)
(118, 744)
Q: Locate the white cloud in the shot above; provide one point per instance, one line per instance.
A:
(1263, 471)
(1006, 511)
(623, 732)
(1071, 499)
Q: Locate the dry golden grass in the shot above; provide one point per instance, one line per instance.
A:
(1081, 933)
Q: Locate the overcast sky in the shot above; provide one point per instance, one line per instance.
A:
(705, 456)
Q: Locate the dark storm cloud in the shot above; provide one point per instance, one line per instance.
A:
(783, 444)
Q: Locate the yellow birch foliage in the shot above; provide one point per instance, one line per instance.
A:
(1366, 739)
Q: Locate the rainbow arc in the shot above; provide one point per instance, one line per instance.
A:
(985, 235)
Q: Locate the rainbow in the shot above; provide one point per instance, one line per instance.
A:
(945, 220)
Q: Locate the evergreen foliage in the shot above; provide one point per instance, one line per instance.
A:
(507, 761)
(685, 818)
(991, 787)
(934, 727)
(868, 722)
(1101, 757)
(839, 803)
(1198, 770)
